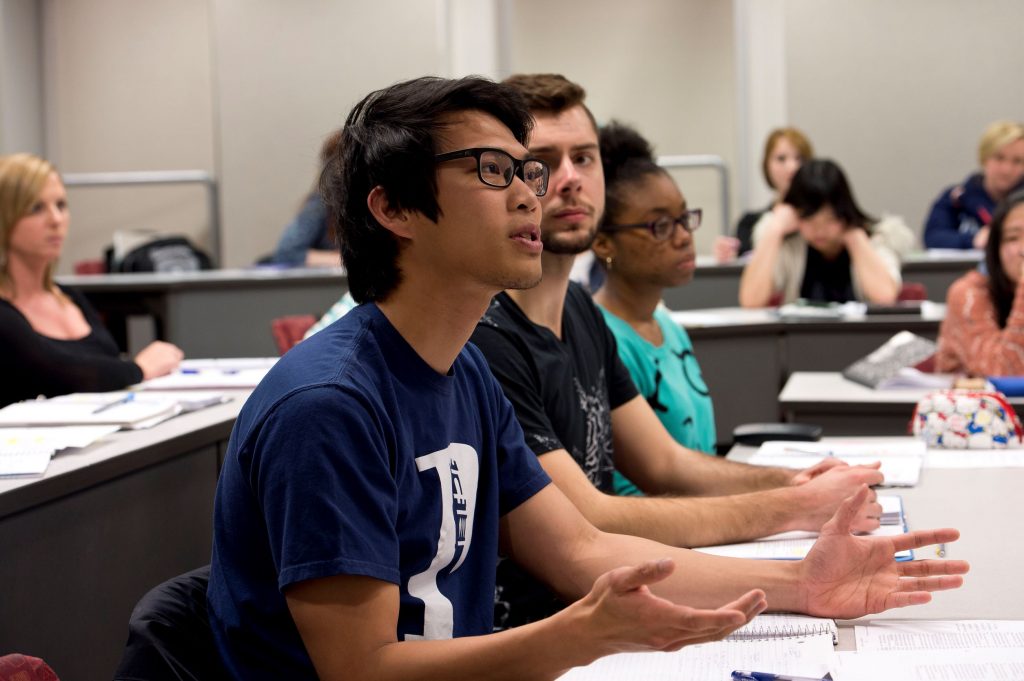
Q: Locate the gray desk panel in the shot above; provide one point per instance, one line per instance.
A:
(74, 568)
(105, 524)
(220, 313)
(738, 370)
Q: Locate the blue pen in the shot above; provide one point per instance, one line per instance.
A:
(124, 400)
(766, 676)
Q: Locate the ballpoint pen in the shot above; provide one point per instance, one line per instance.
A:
(827, 453)
(124, 400)
(767, 676)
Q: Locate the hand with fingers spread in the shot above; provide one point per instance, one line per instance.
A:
(845, 576)
(827, 484)
(622, 614)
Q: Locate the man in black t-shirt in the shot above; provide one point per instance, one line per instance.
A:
(557, 362)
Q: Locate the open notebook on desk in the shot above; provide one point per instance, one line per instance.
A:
(796, 545)
(26, 452)
(810, 655)
(125, 409)
(901, 460)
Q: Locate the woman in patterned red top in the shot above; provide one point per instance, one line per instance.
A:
(983, 332)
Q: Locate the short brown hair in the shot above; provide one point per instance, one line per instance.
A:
(549, 93)
(794, 137)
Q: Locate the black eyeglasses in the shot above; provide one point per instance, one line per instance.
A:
(665, 226)
(497, 168)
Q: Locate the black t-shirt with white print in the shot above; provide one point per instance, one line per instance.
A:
(563, 392)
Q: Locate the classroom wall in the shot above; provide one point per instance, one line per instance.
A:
(665, 66)
(128, 87)
(21, 78)
(899, 92)
(287, 74)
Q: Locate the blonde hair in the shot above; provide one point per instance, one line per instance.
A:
(795, 137)
(996, 136)
(22, 177)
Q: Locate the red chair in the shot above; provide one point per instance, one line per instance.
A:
(912, 290)
(90, 267)
(289, 330)
(24, 668)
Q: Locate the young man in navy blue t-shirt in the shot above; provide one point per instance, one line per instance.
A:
(375, 474)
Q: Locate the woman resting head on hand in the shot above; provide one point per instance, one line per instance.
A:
(51, 340)
(785, 150)
(818, 244)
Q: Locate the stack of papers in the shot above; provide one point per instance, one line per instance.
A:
(204, 374)
(968, 649)
(27, 451)
(796, 545)
(901, 460)
(122, 408)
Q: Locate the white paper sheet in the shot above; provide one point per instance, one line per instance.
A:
(938, 665)
(810, 656)
(901, 460)
(940, 635)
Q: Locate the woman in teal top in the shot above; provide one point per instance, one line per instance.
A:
(645, 243)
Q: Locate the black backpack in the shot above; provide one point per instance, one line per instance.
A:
(167, 254)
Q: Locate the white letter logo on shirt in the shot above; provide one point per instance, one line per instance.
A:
(457, 470)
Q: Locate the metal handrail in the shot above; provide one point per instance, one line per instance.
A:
(705, 161)
(160, 177)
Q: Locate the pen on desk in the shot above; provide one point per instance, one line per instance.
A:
(124, 400)
(827, 453)
(767, 676)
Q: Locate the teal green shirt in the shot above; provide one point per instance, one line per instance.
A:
(669, 378)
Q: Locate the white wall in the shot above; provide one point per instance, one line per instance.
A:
(664, 66)
(128, 87)
(899, 92)
(287, 74)
(21, 78)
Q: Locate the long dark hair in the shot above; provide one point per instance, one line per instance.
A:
(1000, 287)
(821, 182)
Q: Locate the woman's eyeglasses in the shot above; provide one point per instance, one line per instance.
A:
(497, 168)
(664, 227)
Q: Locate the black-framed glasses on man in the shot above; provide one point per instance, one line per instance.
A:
(665, 226)
(497, 168)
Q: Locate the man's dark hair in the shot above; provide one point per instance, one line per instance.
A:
(549, 93)
(389, 140)
(820, 183)
(1001, 288)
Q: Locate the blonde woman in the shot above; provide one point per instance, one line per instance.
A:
(960, 217)
(51, 340)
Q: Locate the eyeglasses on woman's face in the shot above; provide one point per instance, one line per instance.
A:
(664, 227)
(497, 168)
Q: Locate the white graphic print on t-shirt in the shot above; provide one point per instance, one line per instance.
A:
(457, 468)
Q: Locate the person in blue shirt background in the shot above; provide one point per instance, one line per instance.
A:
(959, 218)
(309, 239)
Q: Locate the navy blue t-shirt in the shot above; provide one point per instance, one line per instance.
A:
(354, 457)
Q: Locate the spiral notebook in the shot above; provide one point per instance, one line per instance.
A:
(772, 626)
